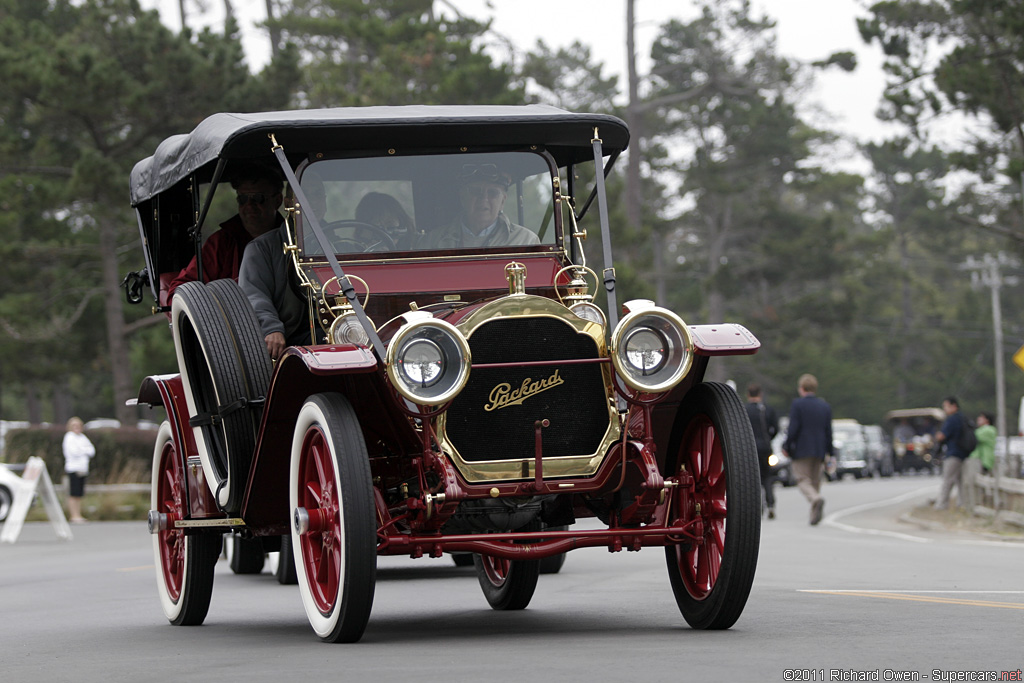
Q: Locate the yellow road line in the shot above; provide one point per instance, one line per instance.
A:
(922, 598)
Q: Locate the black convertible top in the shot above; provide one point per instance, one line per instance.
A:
(302, 132)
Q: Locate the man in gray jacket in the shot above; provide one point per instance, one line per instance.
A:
(267, 278)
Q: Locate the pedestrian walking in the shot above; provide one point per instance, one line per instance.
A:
(77, 452)
(765, 424)
(953, 462)
(809, 442)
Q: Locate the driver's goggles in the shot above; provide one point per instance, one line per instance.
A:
(258, 198)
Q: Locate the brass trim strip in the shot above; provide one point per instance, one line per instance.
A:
(475, 257)
(197, 523)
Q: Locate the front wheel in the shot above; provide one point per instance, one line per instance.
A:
(713, 447)
(334, 531)
(184, 564)
(508, 584)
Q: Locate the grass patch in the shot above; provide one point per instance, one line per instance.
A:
(102, 507)
(959, 519)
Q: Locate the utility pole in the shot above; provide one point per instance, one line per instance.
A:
(987, 273)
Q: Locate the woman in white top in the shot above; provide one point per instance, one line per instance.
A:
(77, 451)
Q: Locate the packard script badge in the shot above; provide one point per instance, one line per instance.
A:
(502, 396)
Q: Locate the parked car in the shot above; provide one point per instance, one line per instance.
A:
(9, 484)
(880, 453)
(913, 439)
(102, 423)
(455, 398)
(850, 449)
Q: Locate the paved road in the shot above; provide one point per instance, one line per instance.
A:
(860, 592)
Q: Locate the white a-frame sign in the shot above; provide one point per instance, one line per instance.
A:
(34, 480)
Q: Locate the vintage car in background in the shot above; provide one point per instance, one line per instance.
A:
(849, 450)
(454, 399)
(881, 460)
(913, 439)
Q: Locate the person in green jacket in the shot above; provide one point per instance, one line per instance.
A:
(986, 450)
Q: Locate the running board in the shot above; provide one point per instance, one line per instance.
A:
(161, 521)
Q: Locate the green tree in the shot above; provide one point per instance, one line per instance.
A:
(86, 90)
(964, 56)
(743, 142)
(393, 52)
(569, 78)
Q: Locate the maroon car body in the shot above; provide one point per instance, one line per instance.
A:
(455, 399)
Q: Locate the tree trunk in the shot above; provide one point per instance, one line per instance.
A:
(120, 368)
(35, 412)
(62, 405)
(275, 33)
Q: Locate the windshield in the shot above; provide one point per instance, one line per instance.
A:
(847, 433)
(430, 203)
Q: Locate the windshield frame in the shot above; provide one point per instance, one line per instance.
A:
(543, 163)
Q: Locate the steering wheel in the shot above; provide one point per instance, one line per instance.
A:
(365, 237)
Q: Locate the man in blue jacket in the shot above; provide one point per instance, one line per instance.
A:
(809, 441)
(953, 462)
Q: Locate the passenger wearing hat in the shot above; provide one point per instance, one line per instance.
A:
(483, 189)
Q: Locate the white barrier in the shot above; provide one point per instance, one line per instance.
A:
(34, 480)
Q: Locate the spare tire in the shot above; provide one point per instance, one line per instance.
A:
(245, 330)
(221, 377)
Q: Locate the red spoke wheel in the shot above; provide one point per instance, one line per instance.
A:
(713, 443)
(184, 564)
(334, 538)
(508, 584)
(496, 569)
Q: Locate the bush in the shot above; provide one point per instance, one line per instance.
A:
(123, 456)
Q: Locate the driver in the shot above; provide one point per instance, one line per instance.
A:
(483, 189)
(385, 212)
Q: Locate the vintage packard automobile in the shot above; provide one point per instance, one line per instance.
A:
(455, 399)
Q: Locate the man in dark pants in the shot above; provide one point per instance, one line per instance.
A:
(953, 462)
(809, 441)
(765, 424)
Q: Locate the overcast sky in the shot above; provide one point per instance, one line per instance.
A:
(807, 30)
